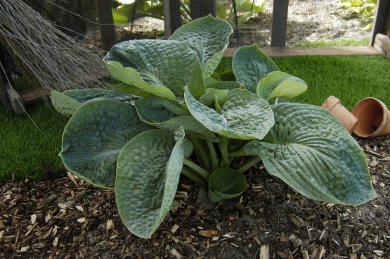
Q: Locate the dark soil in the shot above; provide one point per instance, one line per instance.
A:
(68, 218)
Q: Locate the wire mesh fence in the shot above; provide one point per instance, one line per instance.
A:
(316, 22)
(320, 22)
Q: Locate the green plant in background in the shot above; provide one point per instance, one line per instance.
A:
(245, 9)
(170, 114)
(363, 10)
(129, 11)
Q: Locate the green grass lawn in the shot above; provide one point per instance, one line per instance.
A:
(25, 152)
(348, 78)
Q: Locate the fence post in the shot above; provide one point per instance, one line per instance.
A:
(106, 20)
(279, 23)
(382, 20)
(201, 8)
(172, 16)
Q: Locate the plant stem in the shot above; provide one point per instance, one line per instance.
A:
(199, 170)
(201, 153)
(193, 176)
(214, 156)
(248, 164)
(238, 153)
(223, 146)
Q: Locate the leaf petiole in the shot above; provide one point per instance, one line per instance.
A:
(199, 170)
(213, 154)
(223, 146)
(238, 153)
(249, 163)
(193, 176)
(201, 152)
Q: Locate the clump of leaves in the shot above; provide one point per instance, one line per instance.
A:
(362, 10)
(128, 11)
(245, 9)
(170, 114)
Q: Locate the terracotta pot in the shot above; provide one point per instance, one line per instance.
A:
(373, 118)
(333, 105)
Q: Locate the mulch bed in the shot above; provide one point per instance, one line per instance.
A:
(65, 217)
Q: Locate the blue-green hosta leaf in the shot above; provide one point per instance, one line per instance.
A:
(94, 136)
(170, 116)
(69, 101)
(154, 64)
(129, 89)
(243, 116)
(224, 85)
(147, 176)
(209, 81)
(64, 104)
(312, 152)
(279, 84)
(155, 110)
(250, 65)
(84, 95)
(212, 94)
(218, 91)
(209, 36)
(226, 183)
(131, 77)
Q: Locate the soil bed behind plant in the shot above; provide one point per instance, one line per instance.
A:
(66, 218)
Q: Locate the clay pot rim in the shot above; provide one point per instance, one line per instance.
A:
(357, 109)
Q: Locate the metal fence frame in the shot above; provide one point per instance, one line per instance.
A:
(278, 30)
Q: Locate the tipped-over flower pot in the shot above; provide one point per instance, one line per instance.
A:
(373, 118)
(333, 105)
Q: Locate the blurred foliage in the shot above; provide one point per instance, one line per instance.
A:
(363, 10)
(245, 9)
(129, 10)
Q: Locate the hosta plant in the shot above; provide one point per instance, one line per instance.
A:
(170, 113)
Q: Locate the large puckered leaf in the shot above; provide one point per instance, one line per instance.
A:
(64, 104)
(84, 95)
(218, 91)
(224, 85)
(129, 76)
(69, 101)
(155, 110)
(312, 152)
(250, 65)
(209, 36)
(243, 116)
(279, 84)
(155, 64)
(168, 115)
(94, 136)
(129, 89)
(148, 173)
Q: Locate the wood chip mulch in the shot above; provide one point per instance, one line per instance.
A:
(67, 218)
